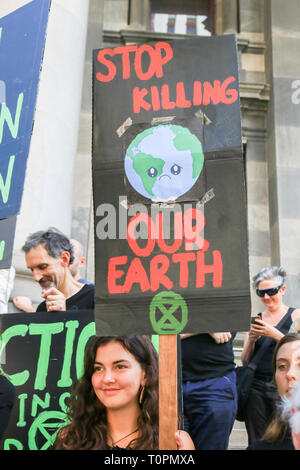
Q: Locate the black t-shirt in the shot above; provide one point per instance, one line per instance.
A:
(264, 369)
(82, 300)
(203, 358)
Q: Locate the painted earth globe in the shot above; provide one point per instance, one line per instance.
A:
(164, 162)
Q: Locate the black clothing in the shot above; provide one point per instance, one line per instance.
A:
(7, 400)
(203, 359)
(209, 391)
(82, 300)
(260, 408)
(285, 444)
(264, 367)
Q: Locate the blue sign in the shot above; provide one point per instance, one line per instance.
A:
(22, 39)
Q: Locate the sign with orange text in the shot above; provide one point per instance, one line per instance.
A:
(168, 183)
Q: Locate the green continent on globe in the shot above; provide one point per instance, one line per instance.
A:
(184, 140)
(141, 163)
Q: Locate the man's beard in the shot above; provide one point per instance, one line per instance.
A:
(50, 282)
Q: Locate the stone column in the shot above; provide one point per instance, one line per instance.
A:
(139, 14)
(283, 69)
(254, 105)
(230, 16)
(251, 16)
(48, 189)
(82, 217)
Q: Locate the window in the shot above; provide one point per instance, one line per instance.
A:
(188, 17)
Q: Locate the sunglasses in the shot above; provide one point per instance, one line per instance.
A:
(270, 292)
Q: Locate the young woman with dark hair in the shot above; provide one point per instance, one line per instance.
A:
(115, 403)
(286, 373)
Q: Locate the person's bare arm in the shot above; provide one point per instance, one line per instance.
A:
(248, 349)
(184, 441)
(221, 338)
(23, 303)
(295, 326)
(188, 335)
(261, 328)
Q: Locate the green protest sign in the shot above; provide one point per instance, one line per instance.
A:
(41, 355)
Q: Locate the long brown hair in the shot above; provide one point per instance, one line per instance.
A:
(278, 428)
(88, 424)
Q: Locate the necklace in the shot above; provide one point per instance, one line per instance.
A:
(127, 435)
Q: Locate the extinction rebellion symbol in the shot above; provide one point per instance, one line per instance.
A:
(168, 313)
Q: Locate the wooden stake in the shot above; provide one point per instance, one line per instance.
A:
(168, 403)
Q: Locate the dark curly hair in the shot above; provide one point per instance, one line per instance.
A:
(88, 422)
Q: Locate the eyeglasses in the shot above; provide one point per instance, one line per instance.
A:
(272, 291)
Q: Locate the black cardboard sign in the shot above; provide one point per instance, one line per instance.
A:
(168, 180)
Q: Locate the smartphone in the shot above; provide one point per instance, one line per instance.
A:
(253, 319)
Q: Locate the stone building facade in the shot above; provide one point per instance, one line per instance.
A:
(58, 188)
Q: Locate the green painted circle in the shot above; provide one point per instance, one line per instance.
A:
(167, 303)
(42, 424)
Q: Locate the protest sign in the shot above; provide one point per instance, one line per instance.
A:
(22, 38)
(169, 193)
(42, 354)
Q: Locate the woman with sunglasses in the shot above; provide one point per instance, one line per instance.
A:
(274, 322)
(114, 405)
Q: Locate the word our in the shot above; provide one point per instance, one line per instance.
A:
(174, 220)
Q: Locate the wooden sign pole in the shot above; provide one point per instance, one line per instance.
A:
(168, 404)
